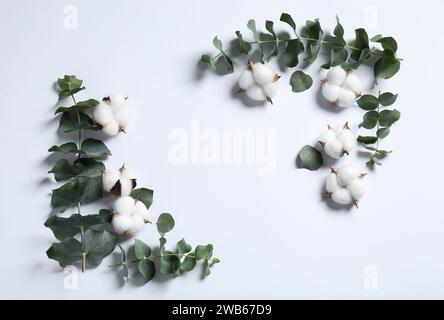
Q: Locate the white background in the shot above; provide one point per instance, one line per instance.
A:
(275, 235)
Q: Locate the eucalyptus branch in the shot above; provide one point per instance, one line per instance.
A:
(379, 120)
(341, 53)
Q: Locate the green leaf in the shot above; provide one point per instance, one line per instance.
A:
(64, 228)
(70, 121)
(165, 223)
(383, 132)
(361, 42)
(244, 46)
(188, 263)
(97, 245)
(388, 117)
(368, 102)
(83, 167)
(386, 67)
(387, 98)
(369, 148)
(123, 260)
(269, 25)
(370, 120)
(203, 252)
(74, 192)
(293, 49)
(93, 148)
(300, 81)
(62, 170)
(339, 32)
(80, 106)
(69, 85)
(147, 269)
(228, 63)
(141, 249)
(309, 158)
(66, 196)
(367, 139)
(313, 31)
(169, 262)
(66, 253)
(183, 247)
(252, 26)
(69, 147)
(143, 194)
(354, 64)
(206, 269)
(388, 43)
(338, 56)
(285, 17)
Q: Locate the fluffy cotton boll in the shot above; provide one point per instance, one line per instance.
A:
(336, 75)
(109, 179)
(124, 206)
(140, 210)
(256, 93)
(126, 186)
(333, 148)
(327, 136)
(347, 139)
(332, 183)
(262, 75)
(111, 128)
(330, 92)
(137, 225)
(246, 80)
(346, 175)
(352, 83)
(271, 89)
(103, 113)
(342, 196)
(118, 99)
(346, 98)
(356, 189)
(122, 117)
(322, 73)
(122, 224)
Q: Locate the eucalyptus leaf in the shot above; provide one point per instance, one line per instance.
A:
(383, 132)
(244, 46)
(314, 32)
(141, 249)
(66, 253)
(70, 121)
(388, 117)
(300, 81)
(309, 158)
(143, 194)
(368, 102)
(338, 56)
(293, 49)
(165, 223)
(361, 43)
(367, 139)
(285, 17)
(69, 147)
(183, 247)
(97, 245)
(66, 196)
(79, 106)
(370, 120)
(147, 269)
(203, 252)
(93, 148)
(386, 67)
(188, 263)
(388, 43)
(169, 262)
(387, 98)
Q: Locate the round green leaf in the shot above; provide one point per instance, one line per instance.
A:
(309, 158)
(383, 132)
(143, 194)
(204, 251)
(165, 223)
(147, 269)
(98, 244)
(370, 120)
(183, 247)
(368, 102)
(93, 148)
(386, 67)
(387, 98)
(188, 263)
(300, 81)
(141, 249)
(367, 139)
(388, 117)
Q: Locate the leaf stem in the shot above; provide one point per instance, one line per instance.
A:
(150, 257)
(78, 203)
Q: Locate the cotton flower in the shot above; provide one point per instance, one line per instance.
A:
(345, 185)
(337, 141)
(112, 114)
(130, 216)
(341, 87)
(119, 182)
(258, 82)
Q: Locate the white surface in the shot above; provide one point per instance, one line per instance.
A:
(274, 234)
